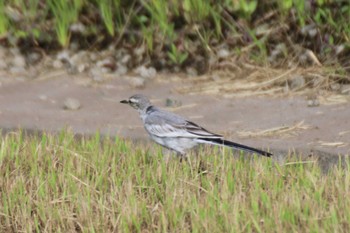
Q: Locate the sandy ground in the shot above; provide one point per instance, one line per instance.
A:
(280, 124)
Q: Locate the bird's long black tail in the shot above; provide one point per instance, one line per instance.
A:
(237, 146)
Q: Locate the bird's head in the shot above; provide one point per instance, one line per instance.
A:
(139, 102)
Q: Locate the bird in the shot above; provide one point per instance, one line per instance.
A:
(175, 132)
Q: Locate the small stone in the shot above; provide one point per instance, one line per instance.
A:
(139, 51)
(297, 82)
(176, 69)
(108, 64)
(191, 71)
(345, 89)
(57, 64)
(312, 32)
(303, 59)
(335, 86)
(78, 27)
(96, 74)
(125, 59)
(279, 51)
(313, 103)
(213, 60)
(137, 82)
(145, 72)
(17, 70)
(3, 64)
(74, 46)
(18, 61)
(72, 104)
(121, 70)
(172, 103)
(93, 56)
(306, 29)
(43, 97)
(33, 58)
(223, 53)
(81, 68)
(339, 49)
(64, 55)
(262, 30)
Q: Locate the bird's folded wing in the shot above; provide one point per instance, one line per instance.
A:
(187, 129)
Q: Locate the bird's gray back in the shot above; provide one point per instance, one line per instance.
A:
(162, 123)
(158, 116)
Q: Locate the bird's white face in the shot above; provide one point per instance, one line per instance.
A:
(139, 102)
(133, 102)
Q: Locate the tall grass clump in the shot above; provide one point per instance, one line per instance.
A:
(65, 13)
(4, 22)
(63, 184)
(183, 33)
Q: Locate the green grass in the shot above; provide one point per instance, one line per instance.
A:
(61, 184)
(161, 25)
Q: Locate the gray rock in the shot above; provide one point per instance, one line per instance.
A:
(345, 89)
(77, 58)
(140, 50)
(313, 103)
(43, 97)
(74, 46)
(72, 104)
(297, 82)
(17, 70)
(335, 86)
(81, 68)
(145, 72)
(191, 71)
(303, 59)
(339, 49)
(64, 55)
(262, 30)
(121, 69)
(307, 28)
(125, 59)
(93, 57)
(279, 51)
(33, 58)
(312, 32)
(137, 82)
(57, 64)
(18, 61)
(107, 65)
(169, 102)
(3, 64)
(96, 74)
(78, 27)
(223, 53)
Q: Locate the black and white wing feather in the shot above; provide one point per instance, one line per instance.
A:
(167, 124)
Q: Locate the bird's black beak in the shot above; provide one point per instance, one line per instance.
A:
(125, 102)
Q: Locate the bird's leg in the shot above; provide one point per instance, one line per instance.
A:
(182, 156)
(167, 154)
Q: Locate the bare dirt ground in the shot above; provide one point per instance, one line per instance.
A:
(281, 124)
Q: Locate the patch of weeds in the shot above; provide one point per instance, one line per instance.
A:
(59, 183)
(4, 22)
(65, 13)
(176, 56)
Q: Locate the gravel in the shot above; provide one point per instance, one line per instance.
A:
(71, 104)
(137, 82)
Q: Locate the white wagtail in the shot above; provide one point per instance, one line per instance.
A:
(175, 132)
